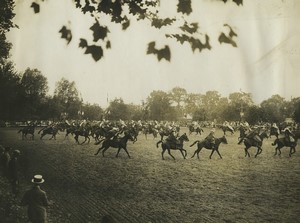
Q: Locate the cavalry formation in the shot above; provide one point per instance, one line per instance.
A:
(117, 134)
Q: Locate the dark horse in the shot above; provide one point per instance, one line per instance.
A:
(205, 144)
(120, 143)
(251, 142)
(283, 142)
(192, 129)
(274, 132)
(166, 145)
(85, 132)
(52, 130)
(27, 130)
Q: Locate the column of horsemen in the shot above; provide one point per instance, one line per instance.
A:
(117, 133)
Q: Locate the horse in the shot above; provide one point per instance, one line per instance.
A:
(27, 130)
(251, 142)
(120, 143)
(283, 142)
(205, 144)
(274, 131)
(226, 128)
(166, 145)
(192, 129)
(85, 132)
(52, 130)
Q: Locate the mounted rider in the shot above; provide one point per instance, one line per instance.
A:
(210, 139)
(172, 138)
(289, 136)
(253, 135)
(275, 127)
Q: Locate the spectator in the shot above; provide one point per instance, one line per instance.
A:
(36, 200)
(4, 160)
(13, 171)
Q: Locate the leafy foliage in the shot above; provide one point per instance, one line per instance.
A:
(66, 34)
(36, 7)
(123, 11)
(163, 53)
(184, 6)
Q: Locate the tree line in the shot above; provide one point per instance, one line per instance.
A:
(25, 97)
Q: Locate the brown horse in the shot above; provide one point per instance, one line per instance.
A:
(283, 142)
(251, 142)
(207, 145)
(166, 145)
(120, 143)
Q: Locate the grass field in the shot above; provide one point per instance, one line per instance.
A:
(147, 189)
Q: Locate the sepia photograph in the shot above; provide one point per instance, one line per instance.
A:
(149, 111)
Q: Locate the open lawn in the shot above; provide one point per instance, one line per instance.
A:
(145, 188)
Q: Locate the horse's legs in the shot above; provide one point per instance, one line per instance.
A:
(217, 150)
(259, 150)
(162, 153)
(126, 152)
(182, 153)
(212, 152)
(198, 151)
(103, 151)
(99, 150)
(247, 152)
(171, 154)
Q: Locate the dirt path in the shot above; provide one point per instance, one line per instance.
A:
(146, 189)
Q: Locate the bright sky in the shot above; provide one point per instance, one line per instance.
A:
(266, 61)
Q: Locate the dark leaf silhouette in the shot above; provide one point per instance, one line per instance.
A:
(184, 6)
(231, 32)
(87, 7)
(77, 4)
(36, 7)
(136, 9)
(151, 48)
(105, 6)
(66, 34)
(158, 23)
(96, 51)
(108, 45)
(192, 28)
(238, 2)
(181, 38)
(116, 11)
(83, 43)
(163, 53)
(125, 24)
(225, 39)
(99, 32)
(197, 44)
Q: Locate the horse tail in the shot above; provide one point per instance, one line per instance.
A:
(40, 130)
(275, 142)
(20, 130)
(97, 143)
(158, 143)
(194, 143)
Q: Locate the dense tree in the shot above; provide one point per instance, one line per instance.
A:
(117, 109)
(179, 27)
(210, 102)
(92, 112)
(192, 103)
(10, 91)
(296, 112)
(178, 96)
(6, 16)
(273, 109)
(159, 106)
(35, 88)
(67, 96)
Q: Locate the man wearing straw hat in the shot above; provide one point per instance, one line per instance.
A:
(36, 200)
